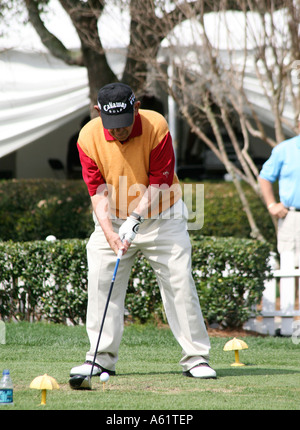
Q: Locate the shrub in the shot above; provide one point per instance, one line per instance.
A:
(33, 209)
(224, 215)
(230, 275)
(43, 280)
(48, 280)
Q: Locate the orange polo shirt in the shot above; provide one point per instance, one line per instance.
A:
(127, 168)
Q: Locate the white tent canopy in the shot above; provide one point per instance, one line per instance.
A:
(38, 93)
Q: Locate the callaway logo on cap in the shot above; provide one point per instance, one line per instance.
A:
(116, 103)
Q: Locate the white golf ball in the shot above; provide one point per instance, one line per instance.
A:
(104, 377)
(51, 238)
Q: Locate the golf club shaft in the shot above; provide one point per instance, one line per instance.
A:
(119, 256)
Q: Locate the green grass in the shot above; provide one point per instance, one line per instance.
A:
(148, 374)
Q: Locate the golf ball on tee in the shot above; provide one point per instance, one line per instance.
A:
(104, 377)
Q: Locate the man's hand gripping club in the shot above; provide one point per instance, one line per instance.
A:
(129, 229)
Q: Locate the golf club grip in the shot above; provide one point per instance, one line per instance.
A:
(119, 256)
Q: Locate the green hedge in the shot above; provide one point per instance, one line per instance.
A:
(230, 275)
(48, 280)
(33, 209)
(43, 280)
(224, 215)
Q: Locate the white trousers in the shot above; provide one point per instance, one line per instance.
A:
(288, 236)
(165, 243)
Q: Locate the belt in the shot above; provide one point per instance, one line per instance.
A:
(293, 209)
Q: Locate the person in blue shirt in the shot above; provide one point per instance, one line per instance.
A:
(284, 166)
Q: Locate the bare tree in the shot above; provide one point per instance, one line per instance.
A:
(209, 82)
(144, 37)
(211, 78)
(84, 16)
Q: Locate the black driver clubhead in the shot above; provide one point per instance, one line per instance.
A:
(80, 382)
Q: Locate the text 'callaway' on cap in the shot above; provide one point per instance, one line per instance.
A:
(116, 103)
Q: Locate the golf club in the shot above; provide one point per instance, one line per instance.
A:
(81, 382)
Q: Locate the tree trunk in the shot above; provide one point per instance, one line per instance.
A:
(55, 46)
(85, 21)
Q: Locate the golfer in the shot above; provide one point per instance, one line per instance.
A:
(127, 160)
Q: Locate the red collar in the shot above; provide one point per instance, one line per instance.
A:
(136, 130)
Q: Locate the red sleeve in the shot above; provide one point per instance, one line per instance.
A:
(162, 162)
(90, 172)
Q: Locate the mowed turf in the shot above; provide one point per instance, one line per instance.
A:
(148, 373)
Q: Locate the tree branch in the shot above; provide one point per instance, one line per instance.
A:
(55, 46)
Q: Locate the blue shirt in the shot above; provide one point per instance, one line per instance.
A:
(284, 165)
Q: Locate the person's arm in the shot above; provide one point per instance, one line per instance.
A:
(100, 203)
(161, 174)
(276, 209)
(101, 209)
(162, 163)
(149, 200)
